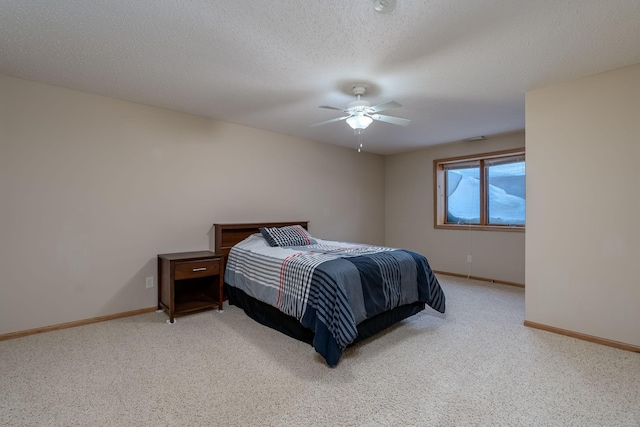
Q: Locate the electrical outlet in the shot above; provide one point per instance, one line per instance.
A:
(149, 282)
(469, 258)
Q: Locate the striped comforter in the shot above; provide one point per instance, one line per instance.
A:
(330, 287)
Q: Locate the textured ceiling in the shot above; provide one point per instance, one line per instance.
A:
(459, 68)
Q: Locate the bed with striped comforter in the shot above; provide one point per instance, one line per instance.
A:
(330, 287)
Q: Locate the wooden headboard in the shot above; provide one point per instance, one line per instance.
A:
(228, 235)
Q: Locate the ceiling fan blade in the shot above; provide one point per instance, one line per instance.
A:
(330, 121)
(386, 106)
(333, 108)
(390, 119)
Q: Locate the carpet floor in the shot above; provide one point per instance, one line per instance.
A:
(475, 365)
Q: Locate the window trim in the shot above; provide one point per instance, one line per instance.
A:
(439, 191)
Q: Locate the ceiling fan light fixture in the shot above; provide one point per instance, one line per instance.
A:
(359, 122)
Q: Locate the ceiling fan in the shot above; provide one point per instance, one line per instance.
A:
(361, 114)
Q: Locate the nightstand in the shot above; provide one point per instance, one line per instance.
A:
(190, 281)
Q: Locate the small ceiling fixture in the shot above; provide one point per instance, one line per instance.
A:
(384, 6)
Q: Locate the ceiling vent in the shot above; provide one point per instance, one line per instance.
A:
(475, 138)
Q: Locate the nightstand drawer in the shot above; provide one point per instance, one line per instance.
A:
(194, 269)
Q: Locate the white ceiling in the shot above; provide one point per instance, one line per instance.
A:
(460, 68)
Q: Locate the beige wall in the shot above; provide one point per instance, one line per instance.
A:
(409, 216)
(583, 190)
(92, 188)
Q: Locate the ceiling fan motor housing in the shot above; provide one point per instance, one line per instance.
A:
(358, 106)
(359, 90)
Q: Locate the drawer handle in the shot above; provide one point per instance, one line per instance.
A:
(200, 269)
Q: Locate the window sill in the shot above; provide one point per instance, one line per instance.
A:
(508, 228)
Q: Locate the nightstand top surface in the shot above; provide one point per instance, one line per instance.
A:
(188, 255)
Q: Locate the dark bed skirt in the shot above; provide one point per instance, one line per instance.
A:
(275, 319)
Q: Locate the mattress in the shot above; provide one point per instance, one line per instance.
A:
(332, 287)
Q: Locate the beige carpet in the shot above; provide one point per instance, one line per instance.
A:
(475, 365)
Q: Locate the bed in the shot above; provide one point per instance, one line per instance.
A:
(326, 293)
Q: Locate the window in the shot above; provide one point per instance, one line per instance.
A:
(484, 191)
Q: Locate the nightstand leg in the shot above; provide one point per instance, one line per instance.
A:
(221, 293)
